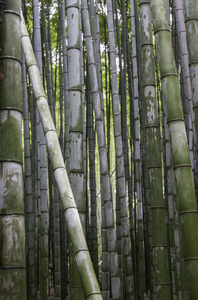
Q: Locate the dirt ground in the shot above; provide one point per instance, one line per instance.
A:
(52, 295)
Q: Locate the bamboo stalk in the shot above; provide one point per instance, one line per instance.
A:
(12, 223)
(179, 146)
(120, 170)
(82, 257)
(159, 234)
(110, 256)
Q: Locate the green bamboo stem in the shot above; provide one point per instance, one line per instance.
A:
(51, 101)
(34, 182)
(129, 177)
(120, 171)
(190, 126)
(181, 28)
(167, 5)
(57, 250)
(12, 223)
(49, 80)
(106, 89)
(159, 234)
(181, 282)
(2, 6)
(88, 172)
(85, 164)
(64, 240)
(64, 255)
(49, 71)
(37, 199)
(92, 13)
(111, 89)
(30, 256)
(44, 221)
(137, 147)
(169, 186)
(91, 137)
(179, 146)
(65, 80)
(76, 166)
(127, 149)
(60, 78)
(42, 179)
(53, 73)
(169, 195)
(191, 22)
(83, 261)
(98, 33)
(56, 200)
(123, 86)
(95, 32)
(109, 245)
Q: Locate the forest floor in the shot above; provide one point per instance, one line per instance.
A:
(52, 295)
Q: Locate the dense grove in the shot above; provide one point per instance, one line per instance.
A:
(98, 152)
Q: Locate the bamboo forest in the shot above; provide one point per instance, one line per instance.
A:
(99, 149)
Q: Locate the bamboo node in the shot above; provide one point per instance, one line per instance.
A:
(188, 212)
(93, 293)
(9, 11)
(168, 75)
(193, 62)
(182, 166)
(161, 29)
(174, 120)
(190, 19)
(191, 258)
(80, 250)
(10, 57)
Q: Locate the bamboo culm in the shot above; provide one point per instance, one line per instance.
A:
(179, 146)
(82, 257)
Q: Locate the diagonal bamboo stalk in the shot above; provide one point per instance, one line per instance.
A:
(81, 253)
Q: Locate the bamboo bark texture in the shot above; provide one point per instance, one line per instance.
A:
(179, 146)
(110, 256)
(43, 219)
(191, 21)
(81, 253)
(29, 203)
(12, 225)
(136, 144)
(92, 179)
(76, 166)
(120, 171)
(2, 6)
(159, 233)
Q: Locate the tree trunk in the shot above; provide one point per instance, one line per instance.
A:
(12, 225)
